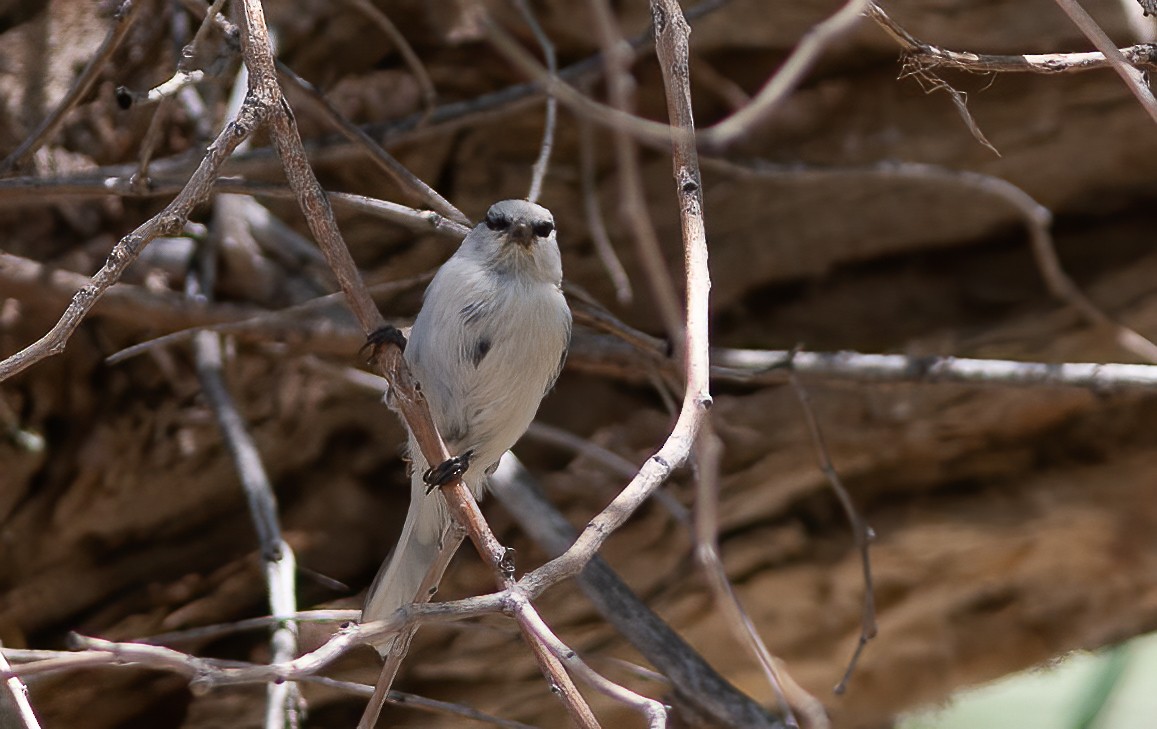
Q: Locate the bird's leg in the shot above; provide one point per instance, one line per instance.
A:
(446, 471)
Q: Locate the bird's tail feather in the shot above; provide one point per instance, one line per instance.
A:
(400, 577)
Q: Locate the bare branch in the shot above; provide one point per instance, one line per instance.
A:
(421, 75)
(1036, 218)
(924, 55)
(398, 172)
(709, 454)
(775, 365)
(806, 53)
(1133, 78)
(861, 532)
(697, 686)
(594, 214)
(19, 697)
(169, 221)
(671, 46)
(632, 197)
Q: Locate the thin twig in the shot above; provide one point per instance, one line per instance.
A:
(283, 702)
(633, 209)
(268, 323)
(1036, 218)
(168, 221)
(861, 532)
(654, 711)
(697, 686)
(671, 32)
(19, 693)
(385, 161)
(617, 464)
(538, 173)
(924, 55)
(708, 456)
(594, 214)
(123, 19)
(740, 124)
(219, 630)
(398, 172)
(401, 643)
(766, 366)
(1133, 78)
(411, 59)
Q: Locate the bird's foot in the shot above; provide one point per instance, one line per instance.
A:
(446, 471)
(386, 335)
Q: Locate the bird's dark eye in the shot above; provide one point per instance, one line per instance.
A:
(497, 222)
(542, 230)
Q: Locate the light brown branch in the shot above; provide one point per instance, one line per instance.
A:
(1133, 78)
(671, 46)
(632, 198)
(167, 222)
(924, 55)
(413, 62)
(861, 532)
(1036, 218)
(594, 214)
(740, 124)
(697, 687)
(708, 457)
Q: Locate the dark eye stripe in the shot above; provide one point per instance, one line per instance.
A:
(497, 222)
(542, 230)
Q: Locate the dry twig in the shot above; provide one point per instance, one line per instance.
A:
(1134, 79)
(632, 198)
(697, 686)
(789, 695)
(594, 214)
(18, 696)
(861, 532)
(421, 75)
(671, 32)
(925, 56)
(1036, 218)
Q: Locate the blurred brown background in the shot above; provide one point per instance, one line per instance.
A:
(1013, 524)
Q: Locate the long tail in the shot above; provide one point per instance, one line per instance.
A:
(401, 575)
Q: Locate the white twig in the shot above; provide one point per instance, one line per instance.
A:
(1037, 220)
(19, 693)
(1133, 78)
(671, 46)
(709, 454)
(695, 683)
(859, 367)
(594, 214)
(805, 54)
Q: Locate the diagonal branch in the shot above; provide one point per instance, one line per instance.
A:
(671, 33)
(169, 221)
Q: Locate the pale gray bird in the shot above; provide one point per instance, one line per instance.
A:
(488, 344)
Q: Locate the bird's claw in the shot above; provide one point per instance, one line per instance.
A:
(446, 471)
(388, 334)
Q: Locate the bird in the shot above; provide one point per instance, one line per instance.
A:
(488, 344)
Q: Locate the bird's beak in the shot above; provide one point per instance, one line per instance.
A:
(521, 234)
